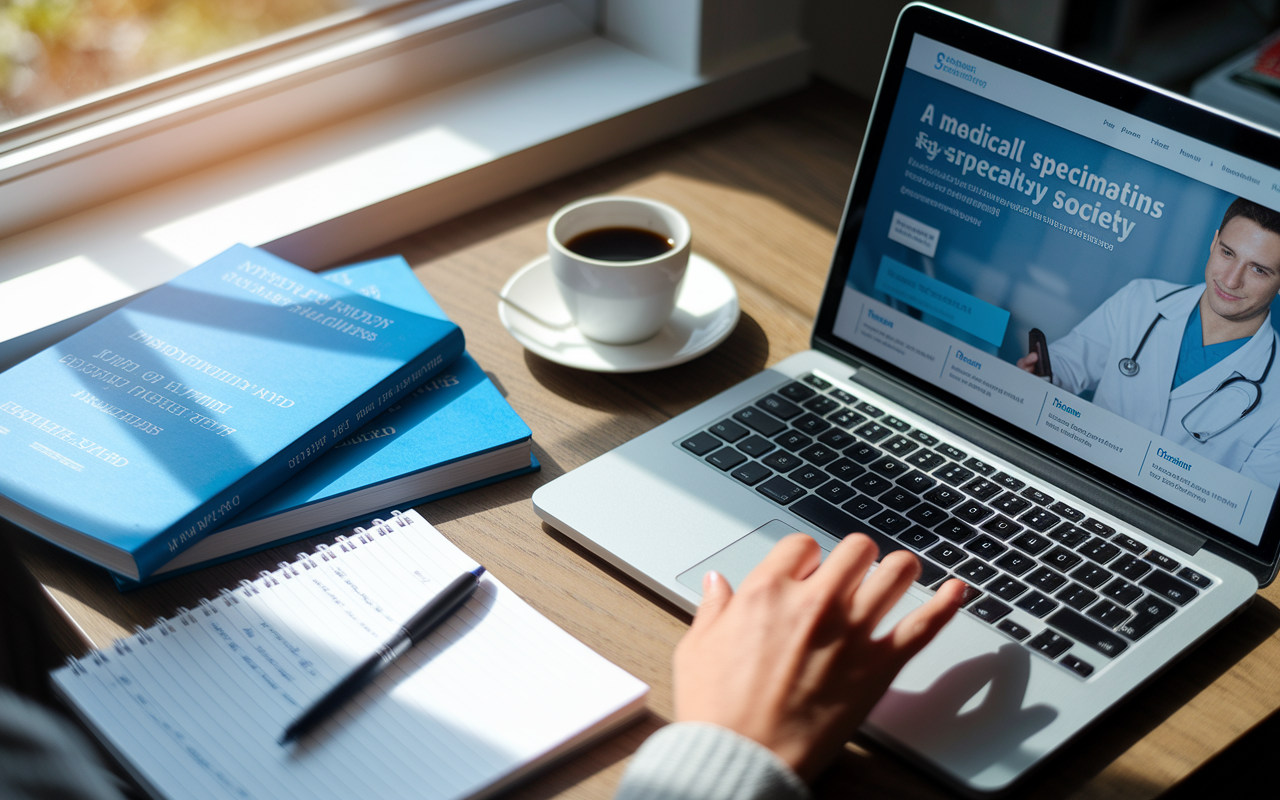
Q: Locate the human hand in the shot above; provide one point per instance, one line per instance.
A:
(789, 660)
(1028, 362)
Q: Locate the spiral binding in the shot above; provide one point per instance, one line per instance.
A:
(246, 588)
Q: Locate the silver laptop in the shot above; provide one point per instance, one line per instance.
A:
(1109, 499)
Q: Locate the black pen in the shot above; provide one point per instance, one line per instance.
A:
(412, 632)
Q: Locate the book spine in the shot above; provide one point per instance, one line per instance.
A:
(222, 507)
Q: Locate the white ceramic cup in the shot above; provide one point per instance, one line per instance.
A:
(619, 302)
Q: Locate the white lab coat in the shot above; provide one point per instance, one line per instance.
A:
(1089, 357)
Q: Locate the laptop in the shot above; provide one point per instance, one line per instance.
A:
(1007, 200)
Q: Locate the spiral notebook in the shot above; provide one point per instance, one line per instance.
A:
(194, 705)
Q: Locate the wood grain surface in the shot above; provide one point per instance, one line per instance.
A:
(764, 191)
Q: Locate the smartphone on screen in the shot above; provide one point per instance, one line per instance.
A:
(1036, 344)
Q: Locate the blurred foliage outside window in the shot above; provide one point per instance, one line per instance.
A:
(55, 51)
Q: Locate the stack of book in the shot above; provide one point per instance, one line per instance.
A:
(244, 404)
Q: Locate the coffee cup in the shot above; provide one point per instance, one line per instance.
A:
(618, 263)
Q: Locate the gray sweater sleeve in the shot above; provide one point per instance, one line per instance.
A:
(699, 761)
(42, 757)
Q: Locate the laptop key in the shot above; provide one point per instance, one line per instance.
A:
(952, 453)
(891, 522)
(843, 396)
(900, 446)
(979, 466)
(1091, 574)
(756, 446)
(847, 418)
(821, 405)
(1194, 578)
(811, 424)
(1050, 644)
(1162, 561)
(816, 382)
(751, 473)
(976, 572)
(917, 538)
(819, 454)
(1099, 550)
(1088, 632)
(870, 410)
(700, 444)
(898, 499)
(1146, 616)
(1061, 559)
(796, 392)
(927, 514)
(943, 496)
(1045, 579)
(923, 438)
(1129, 543)
(896, 424)
(836, 492)
(1076, 596)
(1014, 629)
(871, 484)
(1068, 534)
(862, 507)
(1062, 509)
(1131, 567)
(782, 461)
(930, 573)
(809, 477)
(889, 467)
(837, 438)
(793, 440)
(728, 430)
(1008, 481)
(1097, 527)
(955, 530)
(780, 407)
(1082, 668)
(982, 488)
(1000, 526)
(760, 421)
(1015, 562)
(954, 474)
(972, 512)
(862, 453)
(780, 490)
(1036, 604)
(1038, 497)
(1121, 591)
(845, 470)
(1011, 504)
(985, 546)
(915, 481)
(726, 458)
(873, 431)
(1039, 519)
(1006, 588)
(1108, 613)
(1031, 542)
(990, 609)
(1169, 587)
(948, 554)
(925, 460)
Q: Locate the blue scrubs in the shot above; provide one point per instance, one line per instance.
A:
(1194, 357)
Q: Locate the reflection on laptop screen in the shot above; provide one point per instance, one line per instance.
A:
(1003, 204)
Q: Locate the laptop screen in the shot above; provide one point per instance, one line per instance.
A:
(1061, 266)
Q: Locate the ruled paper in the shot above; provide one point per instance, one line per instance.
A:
(196, 704)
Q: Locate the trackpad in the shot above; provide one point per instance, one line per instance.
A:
(739, 558)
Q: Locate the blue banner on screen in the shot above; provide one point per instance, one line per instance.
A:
(937, 299)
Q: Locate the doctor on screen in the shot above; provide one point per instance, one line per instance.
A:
(1192, 363)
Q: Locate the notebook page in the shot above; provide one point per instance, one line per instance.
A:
(196, 704)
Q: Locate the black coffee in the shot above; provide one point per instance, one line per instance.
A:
(620, 244)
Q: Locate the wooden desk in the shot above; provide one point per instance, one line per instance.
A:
(764, 192)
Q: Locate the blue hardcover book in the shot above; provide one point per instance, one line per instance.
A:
(454, 433)
(136, 437)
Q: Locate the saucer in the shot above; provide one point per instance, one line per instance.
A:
(706, 313)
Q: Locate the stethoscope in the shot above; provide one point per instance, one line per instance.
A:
(1244, 392)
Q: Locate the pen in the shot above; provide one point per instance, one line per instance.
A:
(415, 630)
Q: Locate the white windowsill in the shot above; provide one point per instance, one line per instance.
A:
(322, 197)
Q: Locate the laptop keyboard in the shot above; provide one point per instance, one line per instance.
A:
(1064, 582)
